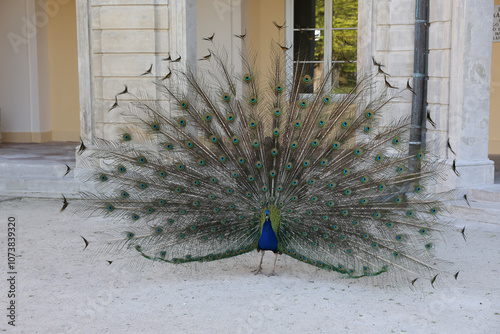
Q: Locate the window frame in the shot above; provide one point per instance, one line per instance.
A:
(328, 38)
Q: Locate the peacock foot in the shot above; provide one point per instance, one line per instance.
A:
(258, 270)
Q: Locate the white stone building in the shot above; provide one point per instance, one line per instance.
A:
(56, 53)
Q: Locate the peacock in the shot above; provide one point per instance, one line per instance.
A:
(239, 161)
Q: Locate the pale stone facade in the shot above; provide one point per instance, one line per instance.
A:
(119, 40)
(459, 67)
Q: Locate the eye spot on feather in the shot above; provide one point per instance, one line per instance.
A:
(126, 137)
(182, 122)
(226, 97)
(247, 78)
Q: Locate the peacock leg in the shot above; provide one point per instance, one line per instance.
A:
(273, 273)
(259, 267)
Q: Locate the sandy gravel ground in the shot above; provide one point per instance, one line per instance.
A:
(62, 289)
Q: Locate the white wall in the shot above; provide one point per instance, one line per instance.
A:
(25, 116)
(225, 19)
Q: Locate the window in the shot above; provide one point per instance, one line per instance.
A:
(324, 34)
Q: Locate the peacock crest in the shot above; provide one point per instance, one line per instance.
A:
(237, 162)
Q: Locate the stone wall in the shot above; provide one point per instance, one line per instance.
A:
(458, 70)
(123, 43)
(121, 39)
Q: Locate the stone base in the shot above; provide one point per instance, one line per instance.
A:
(472, 173)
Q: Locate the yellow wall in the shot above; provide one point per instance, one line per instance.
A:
(262, 31)
(63, 63)
(494, 147)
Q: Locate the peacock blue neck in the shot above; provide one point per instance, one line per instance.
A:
(268, 240)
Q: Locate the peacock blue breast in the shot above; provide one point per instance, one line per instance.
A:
(268, 240)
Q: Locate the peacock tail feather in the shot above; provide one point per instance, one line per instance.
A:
(191, 181)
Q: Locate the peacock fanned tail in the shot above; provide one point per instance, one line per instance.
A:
(192, 181)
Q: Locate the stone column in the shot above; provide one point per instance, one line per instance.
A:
(469, 97)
